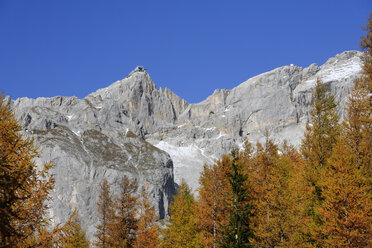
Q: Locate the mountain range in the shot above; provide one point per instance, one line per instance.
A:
(157, 138)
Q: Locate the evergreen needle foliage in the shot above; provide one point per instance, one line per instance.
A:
(268, 195)
(317, 146)
(237, 233)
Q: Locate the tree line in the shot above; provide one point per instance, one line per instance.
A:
(273, 195)
(264, 195)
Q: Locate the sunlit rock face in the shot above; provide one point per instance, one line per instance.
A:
(277, 101)
(101, 136)
(152, 135)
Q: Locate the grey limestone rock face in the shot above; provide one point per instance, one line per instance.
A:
(100, 137)
(278, 101)
(125, 128)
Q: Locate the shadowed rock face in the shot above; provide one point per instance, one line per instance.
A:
(109, 133)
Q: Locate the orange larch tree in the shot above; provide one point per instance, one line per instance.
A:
(357, 126)
(278, 190)
(105, 215)
(124, 223)
(291, 192)
(364, 90)
(24, 188)
(264, 180)
(71, 235)
(213, 192)
(183, 229)
(366, 45)
(347, 209)
(148, 230)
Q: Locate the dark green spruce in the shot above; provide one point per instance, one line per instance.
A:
(237, 232)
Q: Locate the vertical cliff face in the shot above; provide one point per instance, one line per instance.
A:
(101, 136)
(125, 128)
(137, 103)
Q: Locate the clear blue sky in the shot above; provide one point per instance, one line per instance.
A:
(67, 48)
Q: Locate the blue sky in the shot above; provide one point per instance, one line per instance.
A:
(67, 48)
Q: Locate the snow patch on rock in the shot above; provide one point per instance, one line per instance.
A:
(187, 161)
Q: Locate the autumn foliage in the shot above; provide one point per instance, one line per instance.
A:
(320, 196)
(71, 234)
(24, 188)
(266, 195)
(183, 229)
(346, 211)
(237, 231)
(212, 210)
(105, 215)
(147, 233)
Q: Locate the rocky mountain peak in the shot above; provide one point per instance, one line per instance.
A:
(125, 128)
(139, 68)
(101, 136)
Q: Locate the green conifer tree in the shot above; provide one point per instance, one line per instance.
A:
(237, 233)
(317, 146)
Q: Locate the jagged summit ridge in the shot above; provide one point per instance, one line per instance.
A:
(138, 103)
(277, 101)
(125, 127)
